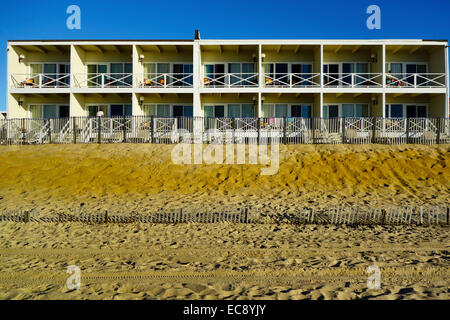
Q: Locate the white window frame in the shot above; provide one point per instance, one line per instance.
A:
(87, 105)
(58, 105)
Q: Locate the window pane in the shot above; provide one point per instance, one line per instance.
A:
(411, 111)
(333, 111)
(188, 111)
(163, 68)
(93, 111)
(116, 68)
(234, 68)
(248, 111)
(163, 110)
(362, 110)
(296, 111)
(234, 111)
(306, 111)
(150, 110)
(248, 68)
(326, 113)
(49, 68)
(209, 111)
(116, 110)
(219, 111)
(128, 110)
(268, 110)
(422, 111)
(36, 68)
(348, 110)
(36, 111)
(50, 112)
(396, 111)
(281, 111)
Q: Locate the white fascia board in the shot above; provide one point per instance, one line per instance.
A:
(352, 90)
(39, 91)
(105, 42)
(417, 90)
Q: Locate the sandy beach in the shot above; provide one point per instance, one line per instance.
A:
(221, 261)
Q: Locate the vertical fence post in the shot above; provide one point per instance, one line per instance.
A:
(259, 129)
(74, 125)
(313, 129)
(438, 133)
(407, 131)
(152, 120)
(233, 129)
(284, 130)
(50, 131)
(343, 130)
(374, 121)
(124, 128)
(99, 129)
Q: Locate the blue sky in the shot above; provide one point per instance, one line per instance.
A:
(231, 19)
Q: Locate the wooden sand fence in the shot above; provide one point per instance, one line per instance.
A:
(352, 216)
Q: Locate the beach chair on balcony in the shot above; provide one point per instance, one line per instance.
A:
(269, 81)
(28, 82)
(207, 82)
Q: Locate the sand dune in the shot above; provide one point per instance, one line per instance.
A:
(221, 261)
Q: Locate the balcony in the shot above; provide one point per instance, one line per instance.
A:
(41, 80)
(353, 80)
(292, 80)
(165, 80)
(231, 80)
(416, 80)
(103, 80)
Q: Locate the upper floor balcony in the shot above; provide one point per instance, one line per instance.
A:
(415, 66)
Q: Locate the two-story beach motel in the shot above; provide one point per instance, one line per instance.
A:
(228, 78)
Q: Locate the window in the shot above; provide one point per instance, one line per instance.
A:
(183, 111)
(120, 110)
(50, 72)
(234, 111)
(394, 111)
(214, 75)
(301, 111)
(95, 72)
(355, 110)
(183, 75)
(49, 111)
(416, 111)
(415, 68)
(248, 111)
(301, 71)
(157, 110)
(331, 72)
(214, 111)
(92, 110)
(242, 74)
(121, 74)
(274, 111)
(331, 111)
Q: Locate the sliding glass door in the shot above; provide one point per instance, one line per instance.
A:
(95, 72)
(331, 72)
(214, 75)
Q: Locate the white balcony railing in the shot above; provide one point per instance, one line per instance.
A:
(41, 80)
(416, 80)
(230, 80)
(292, 80)
(165, 80)
(353, 80)
(103, 80)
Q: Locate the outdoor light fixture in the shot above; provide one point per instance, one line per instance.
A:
(374, 57)
(20, 102)
(374, 101)
(141, 101)
(254, 57)
(255, 100)
(141, 58)
(21, 58)
(263, 57)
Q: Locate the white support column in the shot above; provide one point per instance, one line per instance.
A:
(77, 108)
(383, 67)
(321, 71)
(321, 104)
(259, 111)
(383, 104)
(447, 82)
(260, 70)
(137, 108)
(197, 79)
